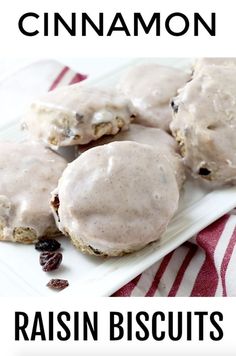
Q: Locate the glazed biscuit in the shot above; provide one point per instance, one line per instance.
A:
(29, 172)
(150, 88)
(116, 198)
(204, 124)
(77, 114)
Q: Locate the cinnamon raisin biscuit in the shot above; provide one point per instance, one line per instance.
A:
(204, 124)
(150, 136)
(116, 198)
(77, 114)
(28, 173)
(150, 88)
(217, 61)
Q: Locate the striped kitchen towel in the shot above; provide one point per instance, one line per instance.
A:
(203, 266)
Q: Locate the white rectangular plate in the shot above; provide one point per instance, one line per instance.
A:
(21, 274)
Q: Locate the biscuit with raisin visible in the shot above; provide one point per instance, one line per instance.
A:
(116, 198)
(29, 172)
(150, 88)
(204, 124)
(77, 114)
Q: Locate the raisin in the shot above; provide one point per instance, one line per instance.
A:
(47, 245)
(95, 251)
(50, 263)
(204, 171)
(58, 284)
(79, 117)
(174, 106)
(45, 256)
(56, 202)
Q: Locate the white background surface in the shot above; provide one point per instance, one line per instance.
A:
(105, 347)
(14, 44)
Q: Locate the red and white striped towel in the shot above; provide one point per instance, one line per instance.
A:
(203, 266)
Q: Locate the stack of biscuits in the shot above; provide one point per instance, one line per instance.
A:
(133, 144)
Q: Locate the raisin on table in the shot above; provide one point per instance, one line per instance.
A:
(47, 245)
(50, 260)
(58, 284)
(44, 257)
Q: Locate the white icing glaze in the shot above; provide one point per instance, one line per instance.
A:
(28, 174)
(220, 61)
(69, 115)
(117, 196)
(155, 137)
(205, 123)
(150, 88)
